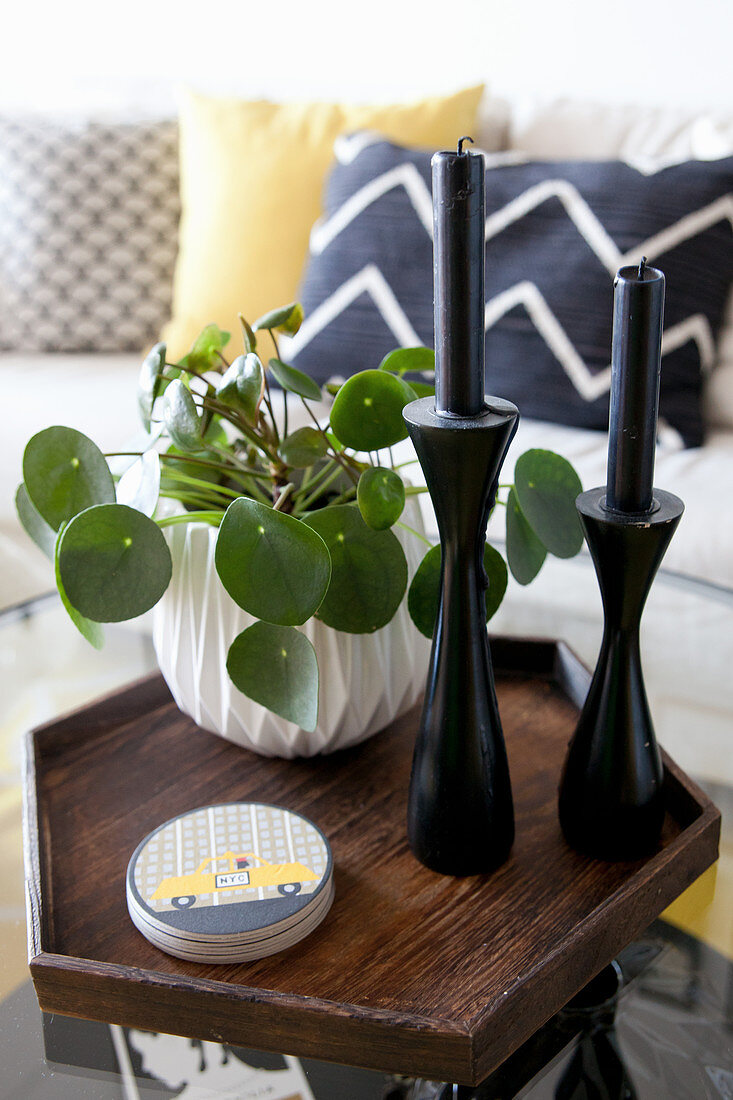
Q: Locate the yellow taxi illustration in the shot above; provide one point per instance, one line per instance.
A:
(240, 874)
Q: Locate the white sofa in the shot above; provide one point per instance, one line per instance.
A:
(97, 395)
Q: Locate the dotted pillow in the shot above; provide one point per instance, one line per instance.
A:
(88, 233)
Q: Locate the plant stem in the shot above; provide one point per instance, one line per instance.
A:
(253, 488)
(190, 370)
(285, 392)
(306, 478)
(308, 485)
(282, 498)
(342, 459)
(268, 397)
(196, 499)
(345, 497)
(191, 517)
(240, 424)
(412, 531)
(229, 456)
(207, 486)
(268, 402)
(232, 471)
(316, 493)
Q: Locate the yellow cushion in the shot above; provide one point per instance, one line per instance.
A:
(252, 174)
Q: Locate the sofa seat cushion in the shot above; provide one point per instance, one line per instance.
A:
(96, 394)
(701, 476)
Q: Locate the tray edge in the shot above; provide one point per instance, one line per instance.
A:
(239, 1019)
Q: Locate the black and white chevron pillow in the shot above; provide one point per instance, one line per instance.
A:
(89, 215)
(556, 235)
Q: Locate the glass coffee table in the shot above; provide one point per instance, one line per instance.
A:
(656, 1024)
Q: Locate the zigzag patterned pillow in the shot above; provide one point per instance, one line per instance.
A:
(556, 235)
(88, 233)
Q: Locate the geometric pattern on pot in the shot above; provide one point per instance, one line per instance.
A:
(89, 216)
(365, 682)
(556, 234)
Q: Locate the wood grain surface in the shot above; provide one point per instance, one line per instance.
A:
(411, 971)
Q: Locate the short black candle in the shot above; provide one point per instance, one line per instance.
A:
(638, 314)
(458, 274)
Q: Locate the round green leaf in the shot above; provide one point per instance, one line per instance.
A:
(181, 418)
(547, 486)
(403, 360)
(64, 473)
(286, 319)
(243, 385)
(114, 563)
(496, 572)
(368, 571)
(90, 630)
(367, 410)
(295, 381)
(303, 447)
(424, 592)
(277, 667)
(34, 524)
(274, 566)
(422, 389)
(423, 597)
(204, 354)
(525, 553)
(380, 495)
(150, 382)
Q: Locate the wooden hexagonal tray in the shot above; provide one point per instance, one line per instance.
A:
(411, 971)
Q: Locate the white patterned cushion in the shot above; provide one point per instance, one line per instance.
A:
(88, 233)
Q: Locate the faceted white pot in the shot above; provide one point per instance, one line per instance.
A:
(366, 680)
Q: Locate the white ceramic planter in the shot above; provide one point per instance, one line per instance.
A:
(366, 680)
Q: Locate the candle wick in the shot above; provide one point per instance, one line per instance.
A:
(461, 151)
(641, 267)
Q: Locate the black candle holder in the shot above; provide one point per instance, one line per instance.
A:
(460, 815)
(611, 804)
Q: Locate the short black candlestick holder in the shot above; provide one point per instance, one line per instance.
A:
(611, 803)
(460, 814)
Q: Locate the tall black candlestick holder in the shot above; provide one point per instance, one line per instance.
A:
(460, 813)
(611, 804)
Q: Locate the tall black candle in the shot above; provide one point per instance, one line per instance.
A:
(458, 276)
(638, 314)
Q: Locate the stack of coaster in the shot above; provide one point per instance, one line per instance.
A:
(229, 883)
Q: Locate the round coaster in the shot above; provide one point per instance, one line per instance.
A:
(222, 881)
(195, 951)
